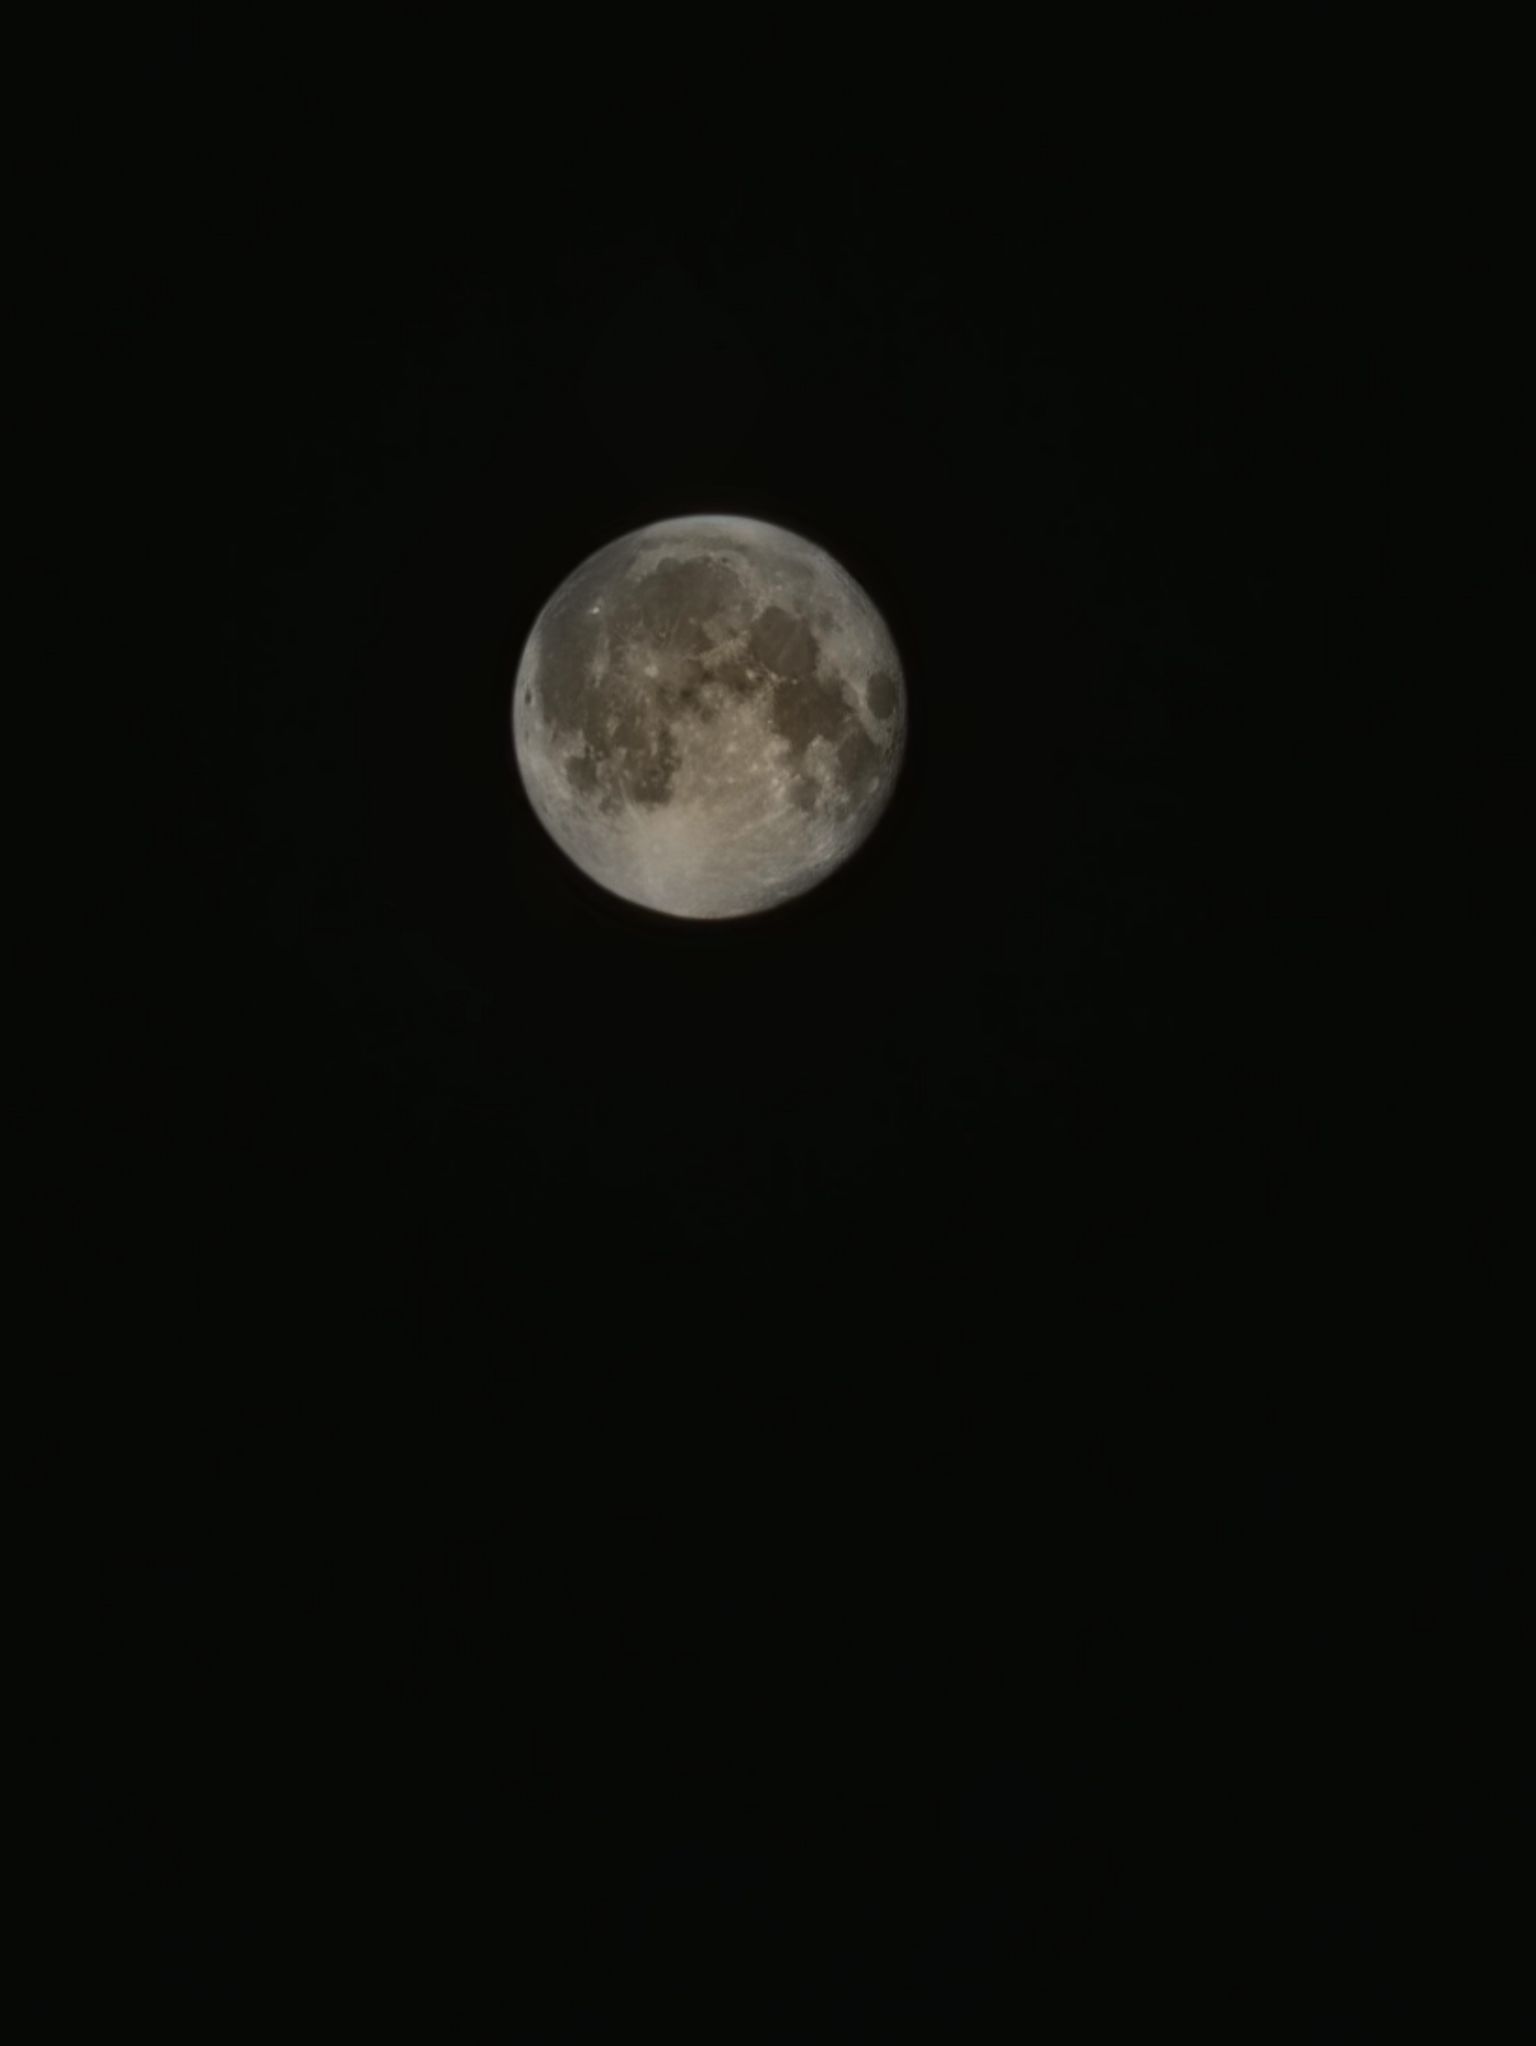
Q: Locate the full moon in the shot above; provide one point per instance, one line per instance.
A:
(709, 716)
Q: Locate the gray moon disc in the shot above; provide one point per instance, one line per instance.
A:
(709, 716)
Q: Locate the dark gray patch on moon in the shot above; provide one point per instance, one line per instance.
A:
(581, 774)
(883, 693)
(803, 711)
(858, 764)
(784, 643)
(643, 749)
(738, 676)
(678, 605)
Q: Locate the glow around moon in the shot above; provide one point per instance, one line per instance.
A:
(709, 715)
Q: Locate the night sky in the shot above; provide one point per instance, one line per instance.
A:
(822, 1478)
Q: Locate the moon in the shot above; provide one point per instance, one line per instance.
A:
(709, 716)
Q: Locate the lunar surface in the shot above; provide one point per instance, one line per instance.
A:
(709, 716)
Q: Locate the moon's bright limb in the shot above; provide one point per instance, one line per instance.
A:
(709, 715)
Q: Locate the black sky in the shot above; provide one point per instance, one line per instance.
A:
(791, 1480)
